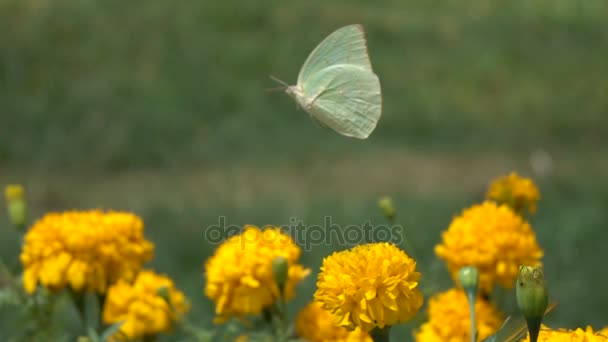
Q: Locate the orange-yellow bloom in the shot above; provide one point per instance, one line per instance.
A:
(369, 286)
(492, 238)
(85, 250)
(239, 275)
(517, 192)
(142, 308)
(564, 335)
(449, 318)
(242, 338)
(315, 325)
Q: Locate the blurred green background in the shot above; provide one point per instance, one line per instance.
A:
(161, 108)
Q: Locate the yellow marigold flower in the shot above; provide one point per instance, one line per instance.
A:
(142, 308)
(492, 238)
(563, 335)
(315, 325)
(239, 275)
(14, 192)
(515, 191)
(85, 250)
(371, 285)
(449, 318)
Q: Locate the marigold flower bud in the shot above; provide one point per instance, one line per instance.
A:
(163, 292)
(386, 204)
(280, 269)
(16, 205)
(532, 297)
(469, 279)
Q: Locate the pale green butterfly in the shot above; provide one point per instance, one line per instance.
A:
(337, 86)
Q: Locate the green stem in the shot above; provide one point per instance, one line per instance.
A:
(79, 303)
(281, 320)
(534, 327)
(380, 335)
(471, 299)
(267, 314)
(150, 338)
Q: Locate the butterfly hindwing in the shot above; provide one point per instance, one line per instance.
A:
(345, 98)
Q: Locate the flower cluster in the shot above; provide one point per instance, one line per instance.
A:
(369, 286)
(85, 250)
(449, 318)
(240, 278)
(148, 306)
(517, 192)
(492, 238)
(564, 335)
(315, 325)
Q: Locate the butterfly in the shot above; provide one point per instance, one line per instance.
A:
(337, 86)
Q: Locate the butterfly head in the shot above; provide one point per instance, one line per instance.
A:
(293, 91)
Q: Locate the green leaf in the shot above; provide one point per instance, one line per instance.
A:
(111, 330)
(514, 329)
(9, 297)
(93, 336)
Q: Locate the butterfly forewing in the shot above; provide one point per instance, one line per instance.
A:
(346, 45)
(346, 98)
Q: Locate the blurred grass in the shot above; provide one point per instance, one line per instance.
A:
(115, 85)
(159, 107)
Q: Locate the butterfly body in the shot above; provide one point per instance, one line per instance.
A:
(337, 86)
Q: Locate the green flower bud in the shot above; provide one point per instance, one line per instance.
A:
(386, 204)
(17, 211)
(280, 271)
(469, 279)
(532, 297)
(16, 205)
(163, 292)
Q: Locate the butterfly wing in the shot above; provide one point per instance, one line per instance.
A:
(345, 98)
(317, 122)
(347, 45)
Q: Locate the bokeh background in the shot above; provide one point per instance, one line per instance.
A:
(161, 108)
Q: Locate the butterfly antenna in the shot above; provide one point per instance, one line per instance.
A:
(283, 86)
(278, 81)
